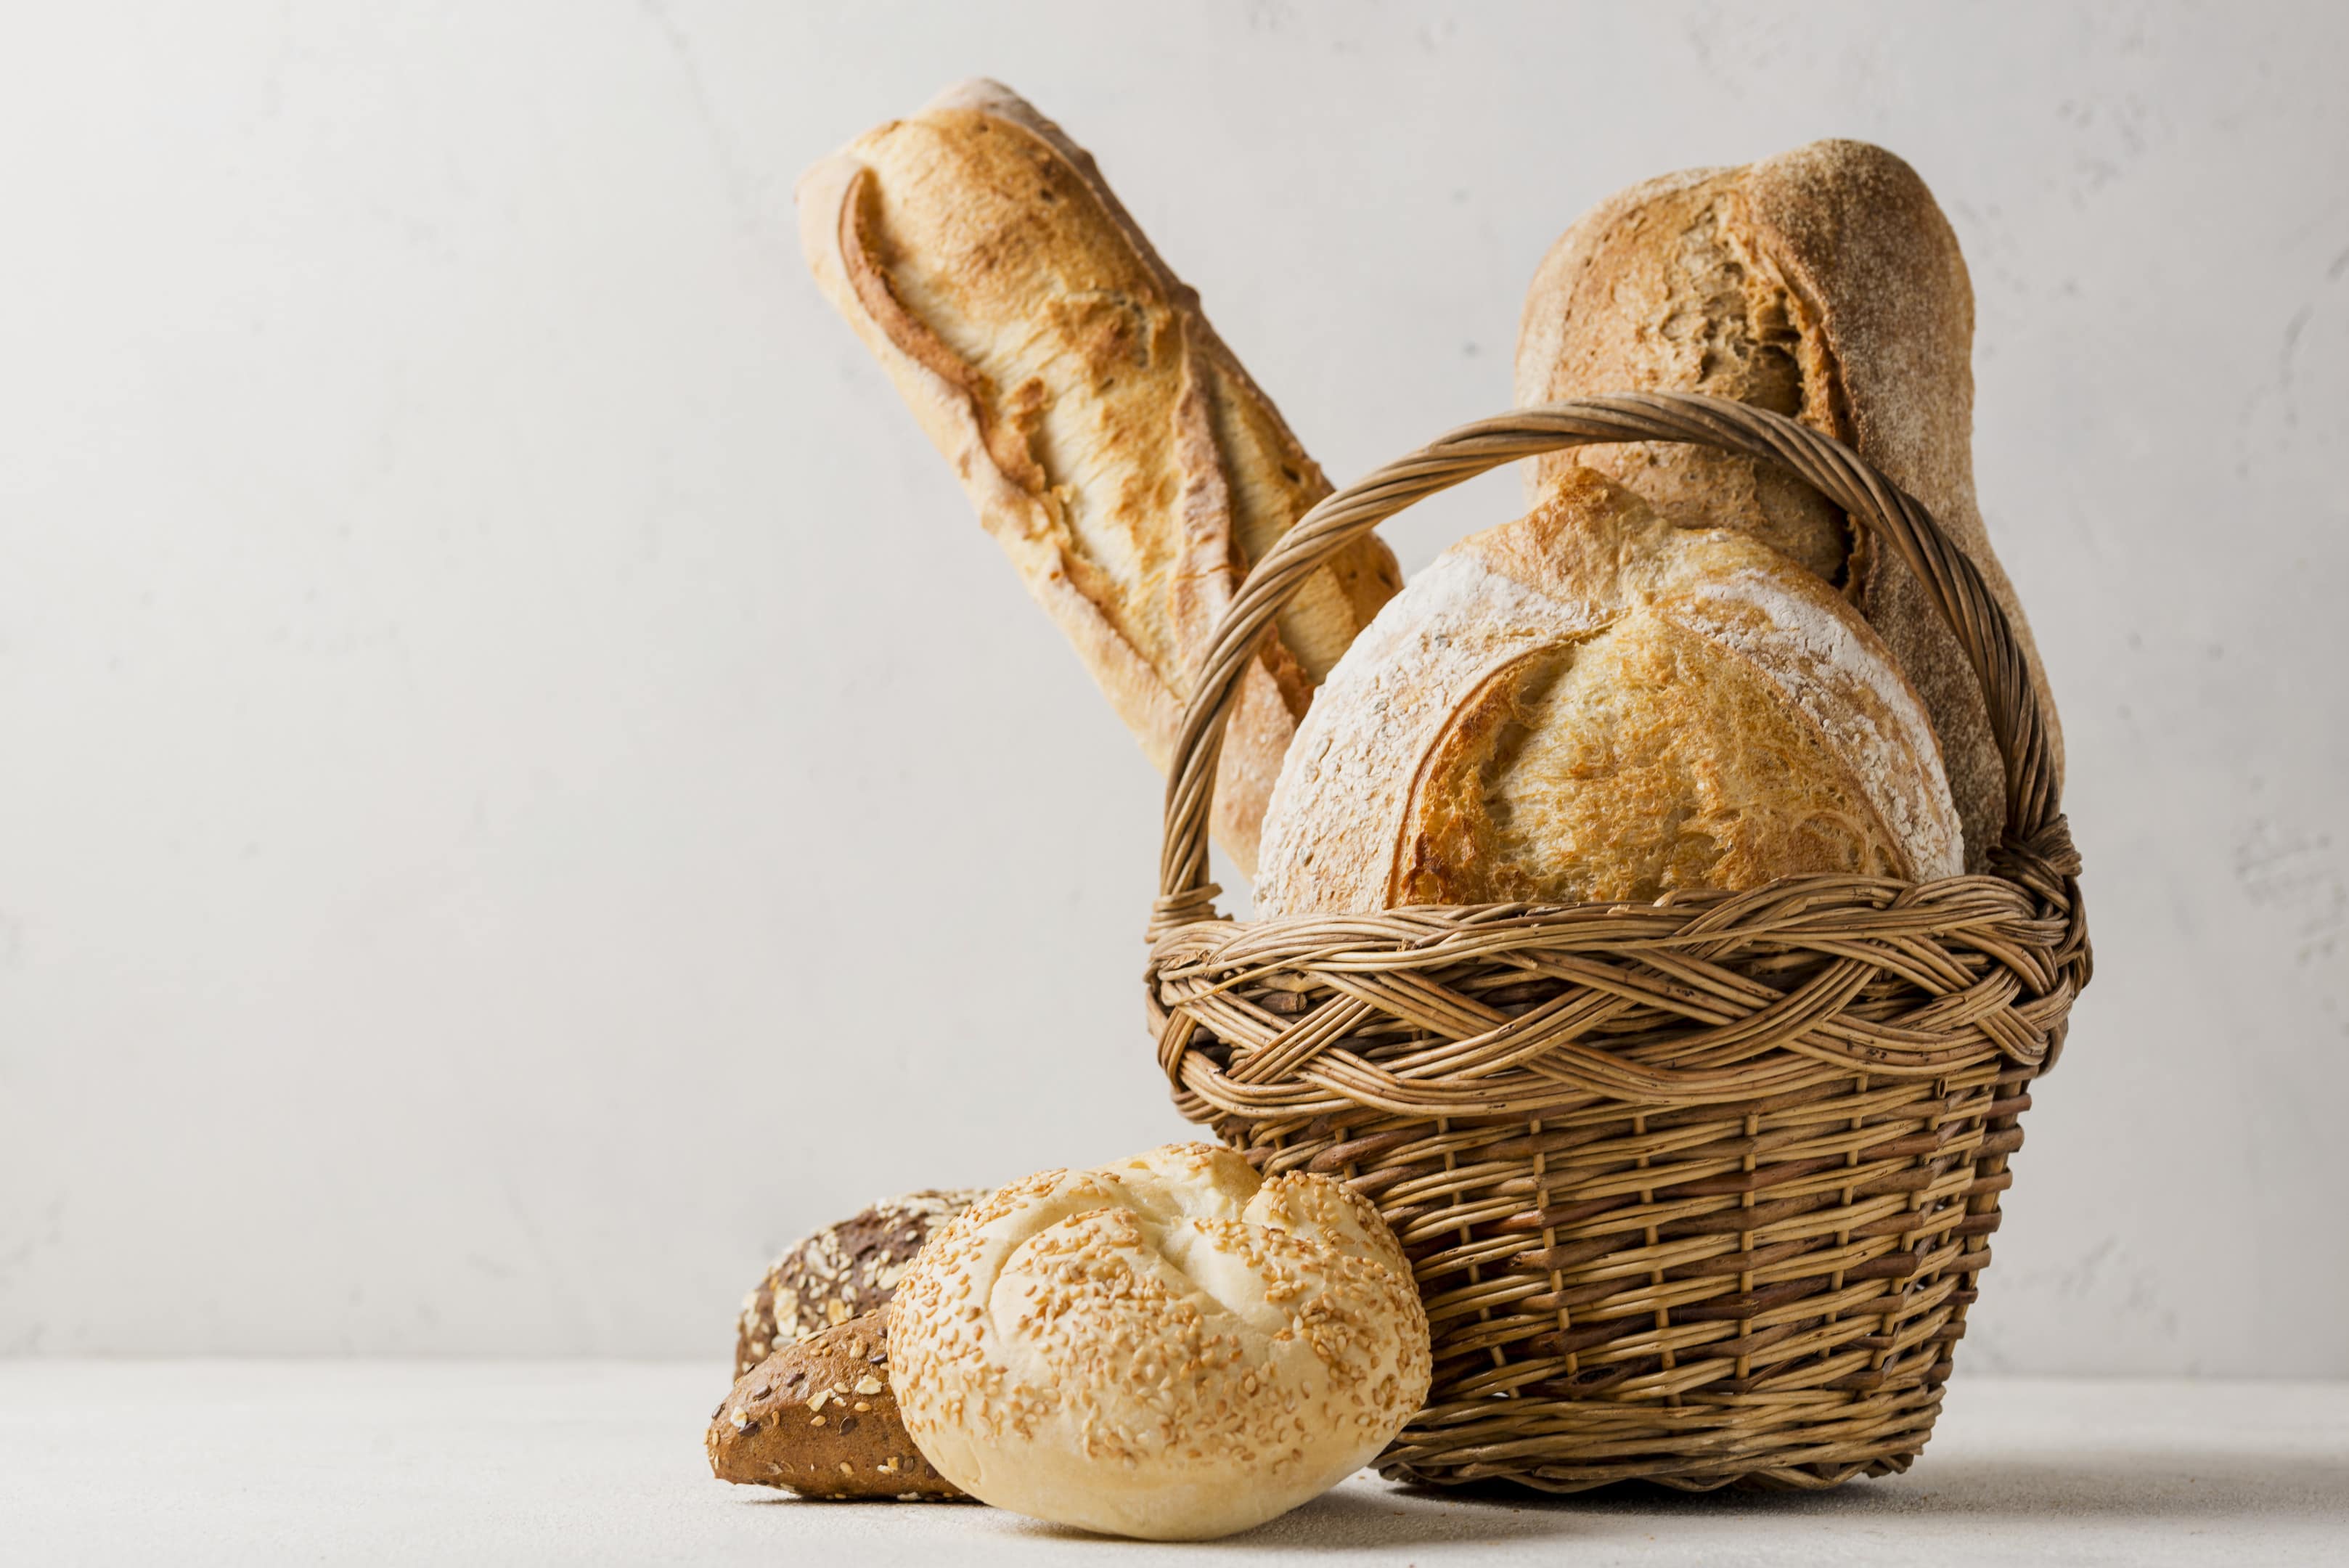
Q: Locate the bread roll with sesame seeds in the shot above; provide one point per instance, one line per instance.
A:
(1169, 1348)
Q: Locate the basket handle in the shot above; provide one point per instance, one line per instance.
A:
(2034, 849)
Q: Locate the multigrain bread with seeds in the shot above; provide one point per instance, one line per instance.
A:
(1110, 443)
(818, 1417)
(1170, 1347)
(1823, 283)
(842, 1272)
(1591, 705)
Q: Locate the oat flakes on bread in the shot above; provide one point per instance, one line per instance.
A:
(1591, 705)
(818, 1417)
(1110, 442)
(1168, 1347)
(842, 1272)
(1823, 283)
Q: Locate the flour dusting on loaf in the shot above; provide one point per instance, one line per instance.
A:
(1825, 661)
(1590, 704)
(1340, 803)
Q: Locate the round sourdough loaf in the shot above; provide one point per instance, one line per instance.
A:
(1168, 1347)
(1591, 705)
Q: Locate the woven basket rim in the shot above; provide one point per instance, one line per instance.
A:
(2035, 850)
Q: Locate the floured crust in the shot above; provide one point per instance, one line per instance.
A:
(1589, 704)
(1827, 285)
(1109, 441)
(1167, 1347)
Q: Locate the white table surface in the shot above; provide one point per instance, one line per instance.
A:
(261, 1462)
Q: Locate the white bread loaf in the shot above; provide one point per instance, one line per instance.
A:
(1823, 283)
(1168, 1347)
(1589, 704)
(1111, 443)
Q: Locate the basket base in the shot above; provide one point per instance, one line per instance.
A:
(1584, 1445)
(1817, 1477)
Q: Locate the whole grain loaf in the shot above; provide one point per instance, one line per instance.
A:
(818, 1417)
(841, 1271)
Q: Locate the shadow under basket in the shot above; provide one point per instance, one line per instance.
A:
(1697, 1193)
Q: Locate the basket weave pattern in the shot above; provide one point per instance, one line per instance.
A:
(1697, 1193)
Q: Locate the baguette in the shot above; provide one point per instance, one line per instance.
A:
(1110, 442)
(1822, 284)
(1591, 705)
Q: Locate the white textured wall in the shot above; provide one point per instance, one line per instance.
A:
(524, 787)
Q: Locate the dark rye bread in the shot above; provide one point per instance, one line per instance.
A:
(818, 1417)
(842, 1272)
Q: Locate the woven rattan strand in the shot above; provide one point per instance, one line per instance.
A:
(1697, 1193)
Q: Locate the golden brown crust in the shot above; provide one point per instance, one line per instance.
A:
(1824, 283)
(1111, 443)
(817, 1418)
(1657, 288)
(1527, 799)
(1589, 704)
(1272, 479)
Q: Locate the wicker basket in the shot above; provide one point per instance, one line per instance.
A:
(1697, 1193)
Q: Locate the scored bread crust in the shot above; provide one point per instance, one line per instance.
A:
(1823, 283)
(1590, 704)
(1110, 442)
